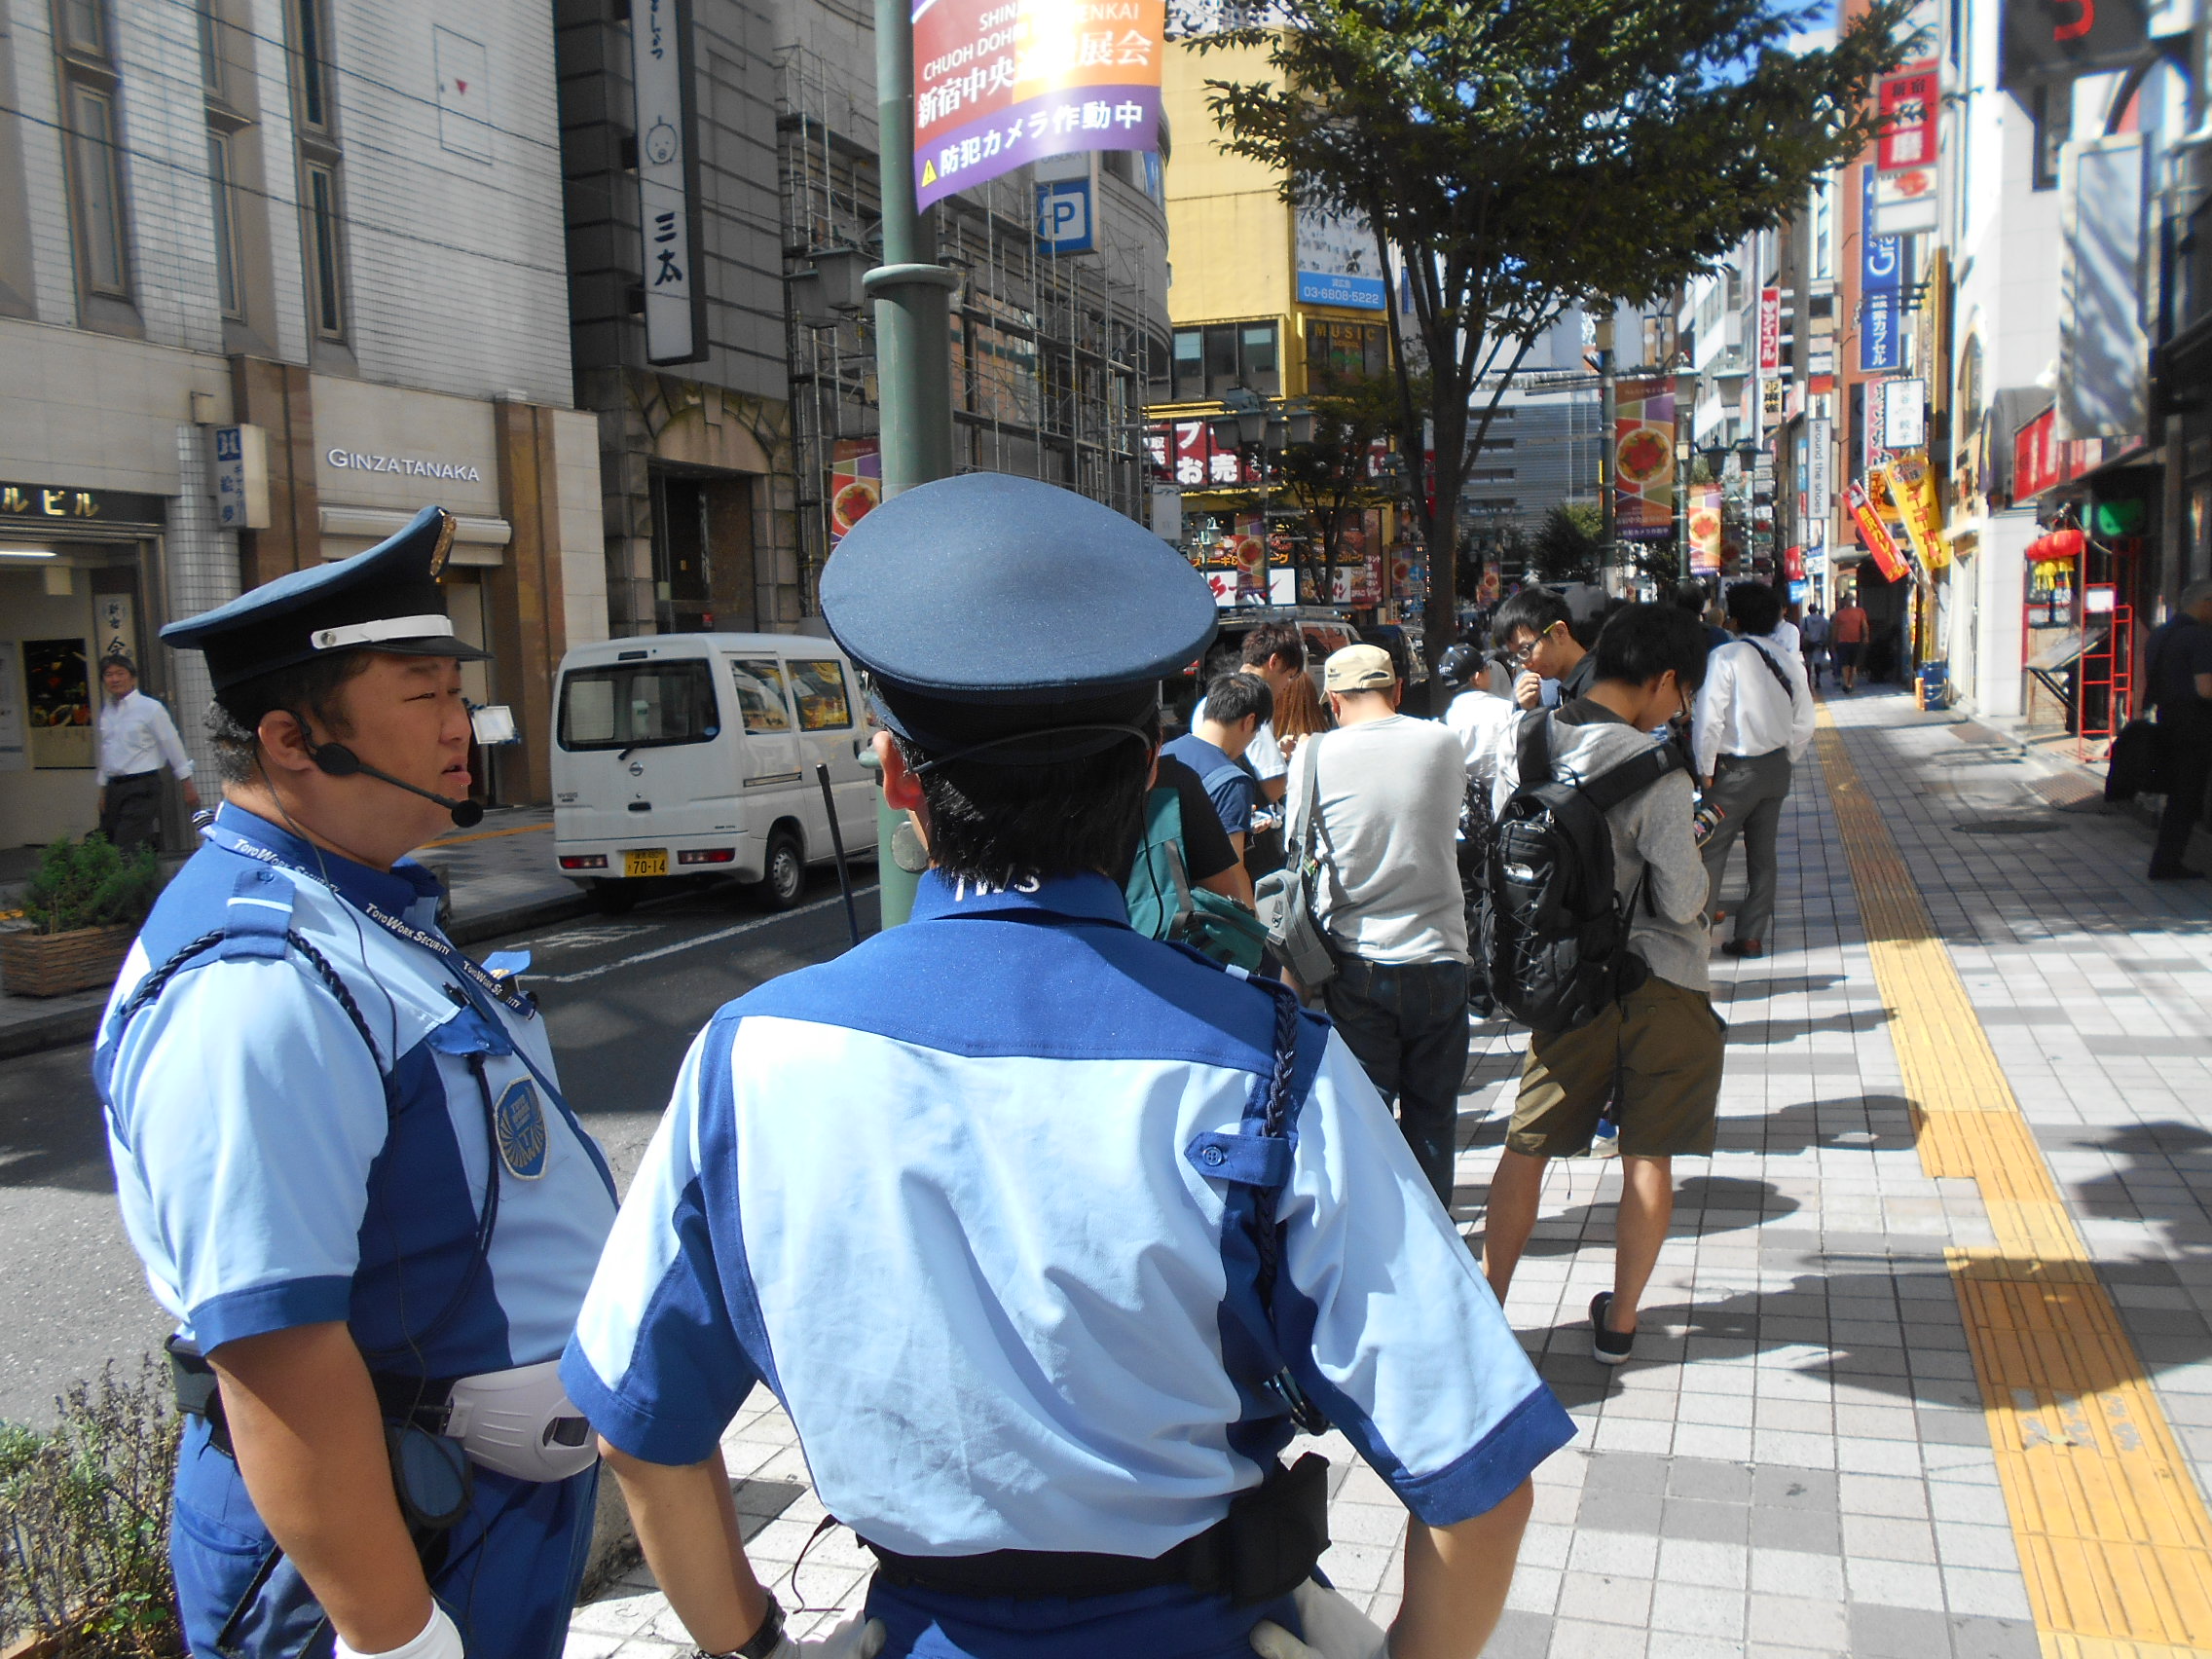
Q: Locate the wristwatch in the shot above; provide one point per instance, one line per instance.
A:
(764, 1639)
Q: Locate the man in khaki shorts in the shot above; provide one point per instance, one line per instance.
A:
(1660, 1045)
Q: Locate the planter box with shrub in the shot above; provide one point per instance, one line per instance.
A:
(83, 907)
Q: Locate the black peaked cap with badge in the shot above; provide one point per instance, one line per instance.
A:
(1011, 621)
(386, 600)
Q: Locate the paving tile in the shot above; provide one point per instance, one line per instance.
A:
(1814, 1575)
(1798, 1620)
(1695, 1610)
(1879, 1632)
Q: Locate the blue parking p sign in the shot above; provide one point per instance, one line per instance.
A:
(1063, 217)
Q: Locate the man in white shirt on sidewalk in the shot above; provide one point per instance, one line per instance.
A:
(1753, 722)
(135, 738)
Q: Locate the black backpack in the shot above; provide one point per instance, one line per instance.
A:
(1555, 932)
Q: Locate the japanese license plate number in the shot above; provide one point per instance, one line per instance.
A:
(644, 861)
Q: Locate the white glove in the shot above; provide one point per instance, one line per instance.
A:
(440, 1639)
(1335, 1629)
(852, 1639)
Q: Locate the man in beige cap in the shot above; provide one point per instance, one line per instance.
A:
(1386, 790)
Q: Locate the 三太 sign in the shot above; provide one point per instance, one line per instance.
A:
(1000, 83)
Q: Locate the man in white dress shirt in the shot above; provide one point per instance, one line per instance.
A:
(1753, 722)
(136, 737)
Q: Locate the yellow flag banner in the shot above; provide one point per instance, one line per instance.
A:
(1912, 486)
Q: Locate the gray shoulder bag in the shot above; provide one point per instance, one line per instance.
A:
(1284, 898)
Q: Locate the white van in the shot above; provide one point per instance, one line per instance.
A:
(695, 755)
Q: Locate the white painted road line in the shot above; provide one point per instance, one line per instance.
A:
(715, 937)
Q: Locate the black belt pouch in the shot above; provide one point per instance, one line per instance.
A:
(1277, 1531)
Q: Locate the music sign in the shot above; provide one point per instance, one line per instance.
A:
(1000, 83)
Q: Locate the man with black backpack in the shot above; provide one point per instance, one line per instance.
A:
(1596, 942)
(1753, 724)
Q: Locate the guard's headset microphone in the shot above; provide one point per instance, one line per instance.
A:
(340, 761)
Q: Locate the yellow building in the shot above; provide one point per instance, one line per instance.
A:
(1265, 300)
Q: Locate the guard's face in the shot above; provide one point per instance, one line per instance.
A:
(408, 719)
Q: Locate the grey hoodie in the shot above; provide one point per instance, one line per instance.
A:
(1651, 828)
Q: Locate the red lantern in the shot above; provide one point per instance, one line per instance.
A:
(2067, 544)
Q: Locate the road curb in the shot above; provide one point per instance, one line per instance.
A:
(64, 1026)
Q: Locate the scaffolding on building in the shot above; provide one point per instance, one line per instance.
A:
(1049, 354)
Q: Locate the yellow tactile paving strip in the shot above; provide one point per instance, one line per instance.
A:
(2113, 1533)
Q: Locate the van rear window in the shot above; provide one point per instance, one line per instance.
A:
(639, 705)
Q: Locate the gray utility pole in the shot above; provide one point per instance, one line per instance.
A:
(913, 343)
(1609, 412)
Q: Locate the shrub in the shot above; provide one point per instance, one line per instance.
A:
(89, 884)
(85, 1520)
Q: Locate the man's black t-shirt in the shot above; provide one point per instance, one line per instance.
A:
(2178, 652)
(1206, 851)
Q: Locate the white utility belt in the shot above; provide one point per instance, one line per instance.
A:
(521, 1422)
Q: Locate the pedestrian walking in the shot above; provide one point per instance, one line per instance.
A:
(1223, 726)
(1813, 642)
(1658, 1047)
(1535, 629)
(1074, 1227)
(342, 1152)
(1753, 724)
(1692, 598)
(1481, 721)
(1387, 791)
(2179, 663)
(1847, 639)
(135, 740)
(1275, 653)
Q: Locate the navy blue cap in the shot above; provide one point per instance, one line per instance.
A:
(989, 610)
(386, 600)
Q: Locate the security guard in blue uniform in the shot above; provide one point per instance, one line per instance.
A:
(343, 1155)
(1046, 1234)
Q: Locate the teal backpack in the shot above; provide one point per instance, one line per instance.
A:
(1163, 905)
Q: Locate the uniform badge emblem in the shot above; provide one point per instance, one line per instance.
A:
(520, 1123)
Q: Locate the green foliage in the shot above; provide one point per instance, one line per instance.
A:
(1328, 477)
(1520, 157)
(1569, 544)
(89, 884)
(85, 1520)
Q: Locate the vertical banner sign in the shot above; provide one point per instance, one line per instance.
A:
(1643, 459)
(1820, 463)
(1770, 330)
(1912, 486)
(1881, 290)
(1705, 534)
(1874, 533)
(1906, 102)
(1000, 83)
(668, 180)
(856, 484)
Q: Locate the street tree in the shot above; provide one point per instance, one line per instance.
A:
(1569, 545)
(1516, 158)
(1332, 477)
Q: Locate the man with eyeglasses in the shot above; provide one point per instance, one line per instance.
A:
(1534, 628)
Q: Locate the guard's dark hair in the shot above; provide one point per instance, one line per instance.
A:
(1000, 826)
(1535, 609)
(1690, 597)
(116, 659)
(1644, 640)
(308, 687)
(1754, 606)
(1274, 640)
(1233, 696)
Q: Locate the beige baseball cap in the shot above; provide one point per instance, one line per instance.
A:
(1360, 668)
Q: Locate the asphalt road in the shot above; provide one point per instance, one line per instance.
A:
(623, 999)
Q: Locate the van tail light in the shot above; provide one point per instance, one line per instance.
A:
(707, 855)
(583, 860)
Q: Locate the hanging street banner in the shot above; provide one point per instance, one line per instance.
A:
(1705, 534)
(668, 180)
(1874, 533)
(1912, 488)
(1000, 83)
(1643, 459)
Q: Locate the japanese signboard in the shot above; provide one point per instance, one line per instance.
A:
(1000, 83)
(1770, 330)
(1185, 451)
(1874, 534)
(1338, 264)
(1820, 462)
(856, 484)
(1643, 459)
(2056, 40)
(1906, 102)
(1704, 526)
(1905, 414)
(1912, 488)
(242, 478)
(668, 180)
(1881, 291)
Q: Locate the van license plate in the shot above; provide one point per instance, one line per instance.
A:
(650, 861)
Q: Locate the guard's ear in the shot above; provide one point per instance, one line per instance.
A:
(286, 744)
(902, 790)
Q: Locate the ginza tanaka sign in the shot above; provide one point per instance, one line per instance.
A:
(355, 460)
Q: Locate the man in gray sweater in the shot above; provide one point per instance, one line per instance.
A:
(1387, 789)
(1660, 1045)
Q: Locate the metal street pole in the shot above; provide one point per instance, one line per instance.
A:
(913, 344)
(1609, 415)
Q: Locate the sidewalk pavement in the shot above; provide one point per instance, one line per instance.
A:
(1799, 1461)
(498, 878)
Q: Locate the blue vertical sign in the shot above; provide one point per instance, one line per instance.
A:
(1881, 289)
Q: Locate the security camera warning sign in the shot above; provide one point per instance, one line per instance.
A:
(1000, 83)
